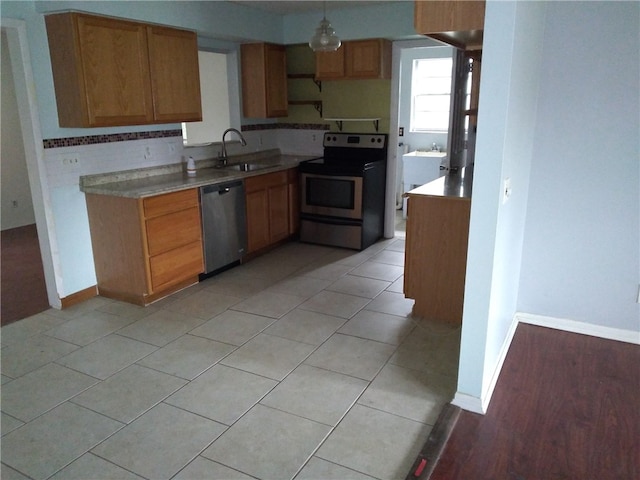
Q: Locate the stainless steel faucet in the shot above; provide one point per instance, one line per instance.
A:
(222, 157)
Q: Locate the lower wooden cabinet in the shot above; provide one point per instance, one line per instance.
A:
(145, 249)
(436, 256)
(271, 208)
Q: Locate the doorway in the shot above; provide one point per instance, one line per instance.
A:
(27, 261)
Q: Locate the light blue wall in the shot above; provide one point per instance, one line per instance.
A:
(581, 256)
(392, 20)
(507, 116)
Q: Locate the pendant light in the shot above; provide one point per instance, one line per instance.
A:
(325, 39)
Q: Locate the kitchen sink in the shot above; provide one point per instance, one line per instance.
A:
(249, 167)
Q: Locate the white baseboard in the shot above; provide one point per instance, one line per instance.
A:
(628, 336)
(480, 405)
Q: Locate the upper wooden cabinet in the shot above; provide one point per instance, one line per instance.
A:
(109, 71)
(359, 59)
(457, 22)
(264, 80)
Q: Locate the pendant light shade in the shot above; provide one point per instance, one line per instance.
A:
(325, 38)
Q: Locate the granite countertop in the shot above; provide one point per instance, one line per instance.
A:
(145, 182)
(454, 185)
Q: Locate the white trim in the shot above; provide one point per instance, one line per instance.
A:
(34, 152)
(469, 403)
(480, 405)
(628, 336)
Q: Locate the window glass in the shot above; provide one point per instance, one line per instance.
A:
(431, 94)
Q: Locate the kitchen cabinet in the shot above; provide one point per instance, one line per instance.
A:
(437, 232)
(145, 249)
(271, 213)
(359, 59)
(264, 80)
(109, 71)
(457, 22)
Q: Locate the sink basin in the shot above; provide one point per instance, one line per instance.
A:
(249, 167)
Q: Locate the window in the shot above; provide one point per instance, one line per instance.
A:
(431, 94)
(214, 91)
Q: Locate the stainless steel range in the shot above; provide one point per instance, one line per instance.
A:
(343, 193)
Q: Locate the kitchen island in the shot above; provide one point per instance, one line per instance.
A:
(436, 246)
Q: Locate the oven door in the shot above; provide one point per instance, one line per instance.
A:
(332, 195)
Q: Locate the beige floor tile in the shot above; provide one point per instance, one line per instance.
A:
(234, 328)
(335, 304)
(8, 424)
(390, 257)
(316, 394)
(300, 286)
(129, 393)
(353, 356)
(375, 443)
(305, 326)
(379, 271)
(397, 286)
(44, 388)
(203, 304)
(269, 356)
(202, 468)
(159, 443)
(325, 270)
(236, 284)
(269, 304)
(188, 356)
(398, 245)
(359, 286)
(28, 327)
(392, 303)
(319, 469)
(377, 326)
(409, 393)
(53, 440)
(268, 443)
(28, 355)
(89, 327)
(222, 394)
(128, 310)
(80, 309)
(8, 473)
(91, 467)
(161, 327)
(106, 356)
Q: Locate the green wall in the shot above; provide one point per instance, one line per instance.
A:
(340, 98)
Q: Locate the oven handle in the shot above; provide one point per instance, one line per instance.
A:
(329, 220)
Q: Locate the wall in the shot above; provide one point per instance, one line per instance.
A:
(507, 116)
(15, 180)
(581, 258)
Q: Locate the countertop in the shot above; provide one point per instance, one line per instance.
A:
(453, 185)
(145, 182)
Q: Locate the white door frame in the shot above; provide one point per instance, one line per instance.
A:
(16, 31)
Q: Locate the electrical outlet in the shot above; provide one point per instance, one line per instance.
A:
(70, 161)
(638, 299)
(14, 203)
(147, 153)
(506, 191)
(313, 137)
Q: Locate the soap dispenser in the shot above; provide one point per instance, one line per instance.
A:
(191, 167)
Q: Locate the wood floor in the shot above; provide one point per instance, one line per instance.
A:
(23, 292)
(566, 406)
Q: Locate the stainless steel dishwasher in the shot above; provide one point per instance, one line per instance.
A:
(224, 225)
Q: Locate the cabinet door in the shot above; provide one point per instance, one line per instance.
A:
(278, 213)
(175, 75)
(368, 59)
(294, 200)
(257, 204)
(100, 69)
(276, 77)
(449, 16)
(330, 65)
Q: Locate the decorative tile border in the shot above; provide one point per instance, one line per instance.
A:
(111, 138)
(125, 137)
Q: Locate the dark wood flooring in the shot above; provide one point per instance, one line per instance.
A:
(23, 292)
(566, 406)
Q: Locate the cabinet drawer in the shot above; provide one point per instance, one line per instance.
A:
(176, 265)
(170, 202)
(173, 230)
(261, 182)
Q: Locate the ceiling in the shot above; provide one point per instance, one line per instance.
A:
(302, 6)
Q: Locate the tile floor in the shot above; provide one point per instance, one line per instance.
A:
(304, 363)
